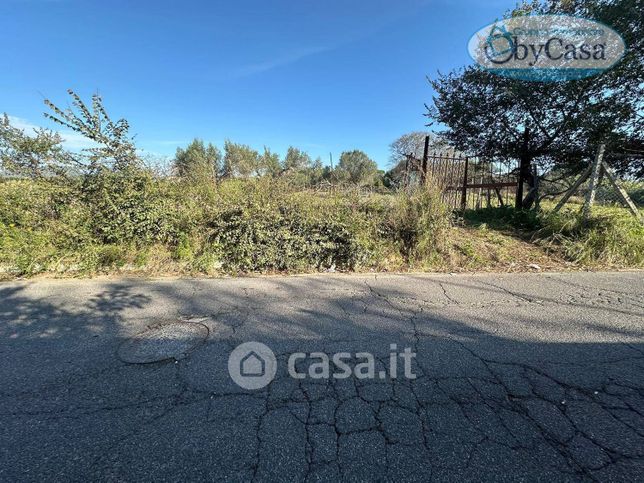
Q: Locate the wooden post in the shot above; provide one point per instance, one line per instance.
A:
(573, 188)
(425, 157)
(498, 195)
(620, 191)
(523, 167)
(479, 191)
(464, 189)
(594, 177)
(535, 175)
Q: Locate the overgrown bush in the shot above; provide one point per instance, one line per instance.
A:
(504, 217)
(132, 220)
(265, 227)
(126, 206)
(610, 237)
(118, 218)
(417, 223)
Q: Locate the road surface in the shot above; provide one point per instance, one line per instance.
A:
(518, 377)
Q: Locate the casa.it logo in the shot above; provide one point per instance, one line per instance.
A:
(253, 365)
(546, 48)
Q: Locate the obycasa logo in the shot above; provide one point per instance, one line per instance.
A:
(546, 47)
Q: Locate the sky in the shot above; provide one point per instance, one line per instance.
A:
(325, 76)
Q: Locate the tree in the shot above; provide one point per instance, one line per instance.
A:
(406, 153)
(356, 167)
(36, 156)
(114, 145)
(124, 201)
(295, 160)
(318, 172)
(413, 144)
(240, 160)
(269, 163)
(557, 125)
(197, 161)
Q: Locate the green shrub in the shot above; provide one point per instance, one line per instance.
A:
(128, 219)
(127, 206)
(184, 250)
(111, 256)
(266, 228)
(505, 217)
(31, 203)
(25, 251)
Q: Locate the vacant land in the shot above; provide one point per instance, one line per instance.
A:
(521, 376)
(133, 222)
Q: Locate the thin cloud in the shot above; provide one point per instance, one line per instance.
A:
(297, 55)
(71, 140)
(280, 61)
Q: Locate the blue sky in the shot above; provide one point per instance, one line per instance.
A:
(325, 76)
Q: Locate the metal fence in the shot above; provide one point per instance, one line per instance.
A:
(469, 181)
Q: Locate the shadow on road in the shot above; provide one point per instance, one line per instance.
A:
(535, 378)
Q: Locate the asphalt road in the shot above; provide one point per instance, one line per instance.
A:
(519, 377)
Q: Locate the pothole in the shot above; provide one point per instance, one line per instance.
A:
(174, 340)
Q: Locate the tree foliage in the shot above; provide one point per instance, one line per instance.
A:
(356, 167)
(240, 161)
(413, 144)
(296, 160)
(119, 191)
(113, 151)
(557, 124)
(270, 163)
(36, 156)
(407, 152)
(198, 161)
(114, 145)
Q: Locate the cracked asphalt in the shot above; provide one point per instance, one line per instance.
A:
(534, 377)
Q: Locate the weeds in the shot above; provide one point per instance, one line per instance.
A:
(611, 237)
(134, 221)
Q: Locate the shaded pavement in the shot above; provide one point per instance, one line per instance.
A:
(519, 377)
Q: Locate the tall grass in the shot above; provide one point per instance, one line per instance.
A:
(610, 237)
(137, 222)
(237, 226)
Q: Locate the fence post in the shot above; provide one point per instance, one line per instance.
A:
(620, 191)
(594, 177)
(535, 175)
(518, 204)
(425, 157)
(464, 192)
(583, 177)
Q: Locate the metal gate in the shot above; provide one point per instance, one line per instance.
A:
(469, 181)
(472, 182)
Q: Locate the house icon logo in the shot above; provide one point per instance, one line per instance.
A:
(252, 365)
